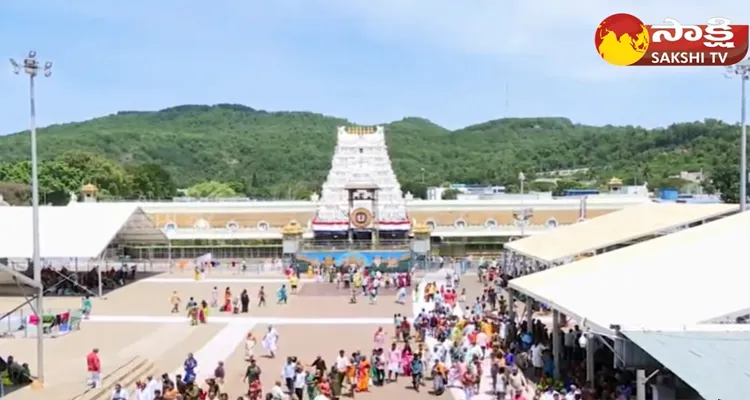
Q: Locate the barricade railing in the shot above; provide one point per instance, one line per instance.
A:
(23, 322)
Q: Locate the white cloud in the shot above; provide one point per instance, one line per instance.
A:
(556, 37)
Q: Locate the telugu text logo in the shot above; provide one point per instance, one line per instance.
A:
(624, 40)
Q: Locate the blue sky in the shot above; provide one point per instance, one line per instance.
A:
(369, 61)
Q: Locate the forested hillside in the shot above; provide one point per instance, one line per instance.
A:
(287, 154)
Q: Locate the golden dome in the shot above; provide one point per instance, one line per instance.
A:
(615, 181)
(89, 188)
(420, 229)
(292, 228)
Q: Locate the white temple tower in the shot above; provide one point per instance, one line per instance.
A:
(361, 193)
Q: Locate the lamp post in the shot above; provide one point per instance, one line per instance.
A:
(521, 180)
(742, 70)
(422, 170)
(33, 67)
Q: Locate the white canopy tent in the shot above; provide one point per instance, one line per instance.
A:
(628, 224)
(80, 231)
(692, 276)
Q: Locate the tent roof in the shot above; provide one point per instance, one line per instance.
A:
(713, 363)
(76, 231)
(691, 276)
(614, 228)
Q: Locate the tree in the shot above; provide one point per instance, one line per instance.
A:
(15, 194)
(417, 189)
(726, 180)
(563, 184)
(108, 176)
(210, 190)
(450, 194)
(151, 181)
(275, 151)
(239, 187)
(542, 186)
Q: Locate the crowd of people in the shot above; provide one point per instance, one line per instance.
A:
(65, 282)
(457, 341)
(13, 374)
(198, 312)
(529, 348)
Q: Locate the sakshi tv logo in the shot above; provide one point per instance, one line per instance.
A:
(624, 40)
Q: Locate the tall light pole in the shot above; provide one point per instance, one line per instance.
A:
(742, 70)
(33, 67)
(521, 180)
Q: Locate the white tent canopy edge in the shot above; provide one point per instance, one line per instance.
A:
(618, 227)
(672, 280)
(81, 231)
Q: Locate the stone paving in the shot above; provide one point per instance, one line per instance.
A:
(136, 321)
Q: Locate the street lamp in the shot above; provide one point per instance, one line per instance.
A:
(742, 70)
(521, 180)
(33, 67)
(422, 170)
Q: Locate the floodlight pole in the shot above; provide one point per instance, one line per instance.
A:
(743, 71)
(743, 140)
(32, 67)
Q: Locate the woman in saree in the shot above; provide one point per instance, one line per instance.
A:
(363, 375)
(227, 307)
(193, 315)
(189, 366)
(335, 383)
(203, 312)
(324, 387)
(281, 296)
(350, 381)
(406, 356)
(311, 384)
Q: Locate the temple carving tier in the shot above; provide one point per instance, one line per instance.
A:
(361, 192)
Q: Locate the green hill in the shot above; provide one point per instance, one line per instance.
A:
(272, 154)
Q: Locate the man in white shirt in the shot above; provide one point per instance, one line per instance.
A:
(571, 395)
(342, 361)
(503, 330)
(119, 393)
(537, 361)
(277, 393)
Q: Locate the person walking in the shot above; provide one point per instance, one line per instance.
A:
(94, 368)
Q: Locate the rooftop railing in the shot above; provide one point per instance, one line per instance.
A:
(338, 245)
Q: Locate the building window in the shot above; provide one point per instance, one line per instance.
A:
(232, 226)
(491, 223)
(460, 224)
(551, 223)
(431, 224)
(263, 225)
(170, 226)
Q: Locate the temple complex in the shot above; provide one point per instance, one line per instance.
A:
(361, 205)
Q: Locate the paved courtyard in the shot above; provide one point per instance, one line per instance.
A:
(136, 321)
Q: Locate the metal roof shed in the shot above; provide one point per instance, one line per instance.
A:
(688, 277)
(614, 228)
(712, 359)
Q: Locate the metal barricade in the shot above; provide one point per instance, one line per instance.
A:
(22, 323)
